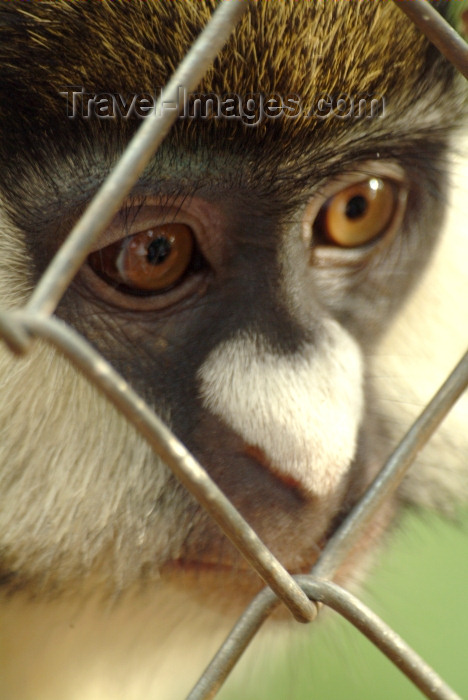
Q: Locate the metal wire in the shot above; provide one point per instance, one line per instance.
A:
(16, 327)
(347, 605)
(170, 449)
(438, 31)
(336, 551)
(393, 472)
(133, 161)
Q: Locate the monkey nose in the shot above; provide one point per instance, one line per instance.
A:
(300, 412)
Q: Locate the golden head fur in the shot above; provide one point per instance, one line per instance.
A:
(96, 535)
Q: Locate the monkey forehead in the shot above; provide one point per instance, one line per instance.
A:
(302, 48)
(341, 46)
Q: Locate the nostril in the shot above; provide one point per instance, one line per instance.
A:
(261, 458)
(258, 455)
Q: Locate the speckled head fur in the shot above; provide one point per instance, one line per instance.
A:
(270, 359)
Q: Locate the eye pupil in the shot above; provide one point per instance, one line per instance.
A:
(356, 207)
(159, 250)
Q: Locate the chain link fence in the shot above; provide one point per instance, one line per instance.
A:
(303, 595)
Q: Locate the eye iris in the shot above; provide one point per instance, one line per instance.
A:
(149, 262)
(357, 215)
(356, 207)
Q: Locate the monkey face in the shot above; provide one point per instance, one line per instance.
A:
(240, 289)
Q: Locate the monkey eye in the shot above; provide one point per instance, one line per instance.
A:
(356, 215)
(148, 262)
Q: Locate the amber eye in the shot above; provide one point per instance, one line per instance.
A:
(357, 214)
(148, 262)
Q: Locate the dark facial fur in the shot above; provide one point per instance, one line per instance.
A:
(247, 365)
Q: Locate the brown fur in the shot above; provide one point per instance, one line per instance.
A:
(108, 567)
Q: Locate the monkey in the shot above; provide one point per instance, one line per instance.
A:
(262, 288)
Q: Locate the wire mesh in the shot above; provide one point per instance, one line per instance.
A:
(299, 594)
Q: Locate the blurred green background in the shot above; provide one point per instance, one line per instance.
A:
(419, 586)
